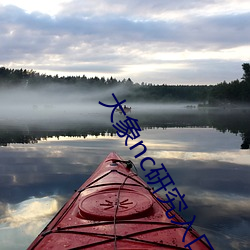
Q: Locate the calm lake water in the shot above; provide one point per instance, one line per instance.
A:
(45, 158)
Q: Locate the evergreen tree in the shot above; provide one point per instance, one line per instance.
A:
(246, 69)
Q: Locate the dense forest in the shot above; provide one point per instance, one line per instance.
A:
(234, 92)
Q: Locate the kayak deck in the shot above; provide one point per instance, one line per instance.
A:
(115, 209)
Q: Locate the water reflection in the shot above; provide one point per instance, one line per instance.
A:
(206, 164)
(20, 222)
(29, 210)
(233, 121)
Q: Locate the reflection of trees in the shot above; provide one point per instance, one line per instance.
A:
(8, 137)
(229, 120)
(246, 141)
(20, 134)
(233, 121)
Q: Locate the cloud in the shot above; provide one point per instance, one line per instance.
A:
(137, 9)
(93, 37)
(116, 30)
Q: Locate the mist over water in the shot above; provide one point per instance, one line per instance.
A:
(57, 103)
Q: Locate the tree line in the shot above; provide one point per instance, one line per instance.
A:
(236, 91)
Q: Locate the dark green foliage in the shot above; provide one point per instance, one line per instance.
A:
(233, 92)
(220, 94)
(246, 75)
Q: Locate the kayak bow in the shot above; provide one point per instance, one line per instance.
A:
(115, 209)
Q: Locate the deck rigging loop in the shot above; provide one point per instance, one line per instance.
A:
(117, 205)
(129, 164)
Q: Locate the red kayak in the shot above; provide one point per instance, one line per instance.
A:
(115, 209)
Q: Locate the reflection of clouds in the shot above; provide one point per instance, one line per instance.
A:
(76, 149)
(105, 136)
(65, 156)
(166, 145)
(2, 209)
(223, 217)
(25, 220)
(237, 156)
(52, 167)
(191, 139)
(29, 212)
(227, 203)
(226, 216)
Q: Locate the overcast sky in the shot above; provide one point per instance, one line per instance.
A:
(157, 41)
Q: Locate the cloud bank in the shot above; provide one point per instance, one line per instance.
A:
(152, 41)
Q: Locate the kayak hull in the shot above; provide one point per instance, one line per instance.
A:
(115, 209)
